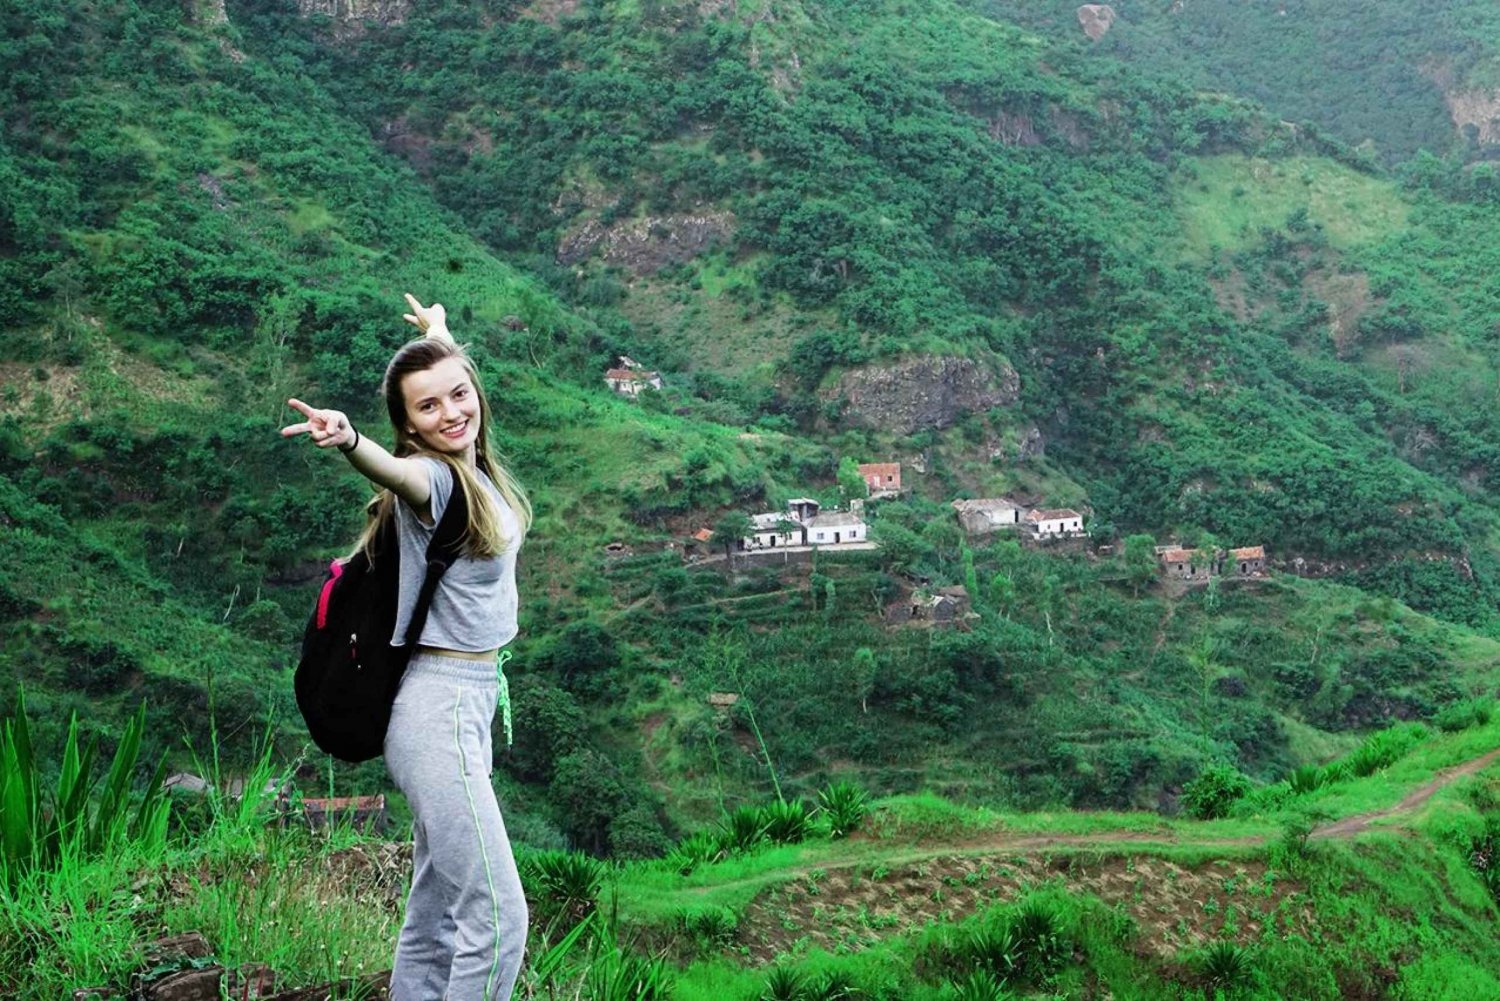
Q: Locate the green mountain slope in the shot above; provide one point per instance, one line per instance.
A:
(1217, 329)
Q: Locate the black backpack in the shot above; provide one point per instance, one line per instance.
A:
(349, 672)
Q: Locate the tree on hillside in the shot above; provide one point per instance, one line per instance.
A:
(1140, 561)
(731, 528)
(851, 484)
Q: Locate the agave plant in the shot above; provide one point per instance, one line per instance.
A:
(741, 831)
(785, 822)
(566, 883)
(995, 949)
(834, 986)
(1226, 965)
(696, 849)
(784, 984)
(846, 805)
(981, 986)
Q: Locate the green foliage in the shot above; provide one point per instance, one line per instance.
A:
(845, 804)
(87, 813)
(743, 830)
(565, 885)
(785, 822)
(784, 983)
(1383, 748)
(698, 848)
(981, 985)
(1464, 714)
(1213, 791)
(1226, 966)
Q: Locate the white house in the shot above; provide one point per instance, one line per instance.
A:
(836, 527)
(1055, 522)
(987, 515)
(631, 381)
(775, 529)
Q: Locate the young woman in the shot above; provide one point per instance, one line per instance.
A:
(465, 928)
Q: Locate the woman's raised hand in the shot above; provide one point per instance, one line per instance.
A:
(325, 427)
(431, 320)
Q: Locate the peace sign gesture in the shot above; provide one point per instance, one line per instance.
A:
(431, 320)
(326, 427)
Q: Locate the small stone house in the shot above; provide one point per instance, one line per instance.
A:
(1186, 564)
(630, 381)
(882, 478)
(987, 515)
(1055, 522)
(1248, 562)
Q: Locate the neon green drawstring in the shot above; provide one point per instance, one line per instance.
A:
(504, 696)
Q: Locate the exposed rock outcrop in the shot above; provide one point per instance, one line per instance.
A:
(1478, 110)
(646, 245)
(1095, 19)
(924, 392)
(209, 13)
(355, 13)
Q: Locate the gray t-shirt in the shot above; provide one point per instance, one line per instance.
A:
(474, 608)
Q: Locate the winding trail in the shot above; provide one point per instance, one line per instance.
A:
(1360, 822)
(1000, 842)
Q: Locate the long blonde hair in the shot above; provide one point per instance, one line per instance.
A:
(485, 533)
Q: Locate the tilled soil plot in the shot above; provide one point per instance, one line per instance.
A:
(1173, 905)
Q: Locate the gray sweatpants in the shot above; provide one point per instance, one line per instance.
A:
(465, 928)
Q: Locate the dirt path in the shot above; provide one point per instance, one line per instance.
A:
(1002, 842)
(1350, 826)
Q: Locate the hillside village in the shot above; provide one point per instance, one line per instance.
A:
(804, 525)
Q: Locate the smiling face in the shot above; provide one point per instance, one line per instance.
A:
(442, 408)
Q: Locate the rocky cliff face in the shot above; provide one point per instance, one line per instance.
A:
(354, 13)
(924, 392)
(645, 245)
(1476, 109)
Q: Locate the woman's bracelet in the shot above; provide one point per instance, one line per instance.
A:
(352, 445)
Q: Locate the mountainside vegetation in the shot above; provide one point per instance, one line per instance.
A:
(1198, 299)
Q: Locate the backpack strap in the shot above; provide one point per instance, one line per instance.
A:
(443, 549)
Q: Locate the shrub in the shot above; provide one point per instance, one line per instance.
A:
(834, 986)
(1384, 747)
(846, 805)
(83, 817)
(1307, 779)
(1462, 715)
(710, 929)
(995, 949)
(1214, 791)
(1038, 936)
